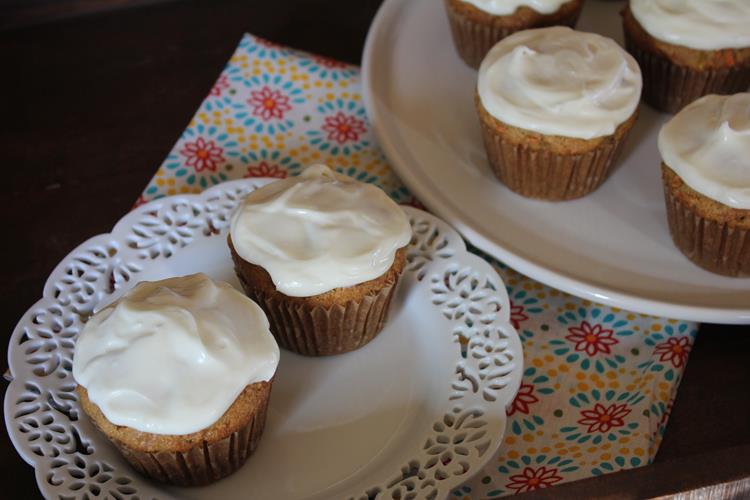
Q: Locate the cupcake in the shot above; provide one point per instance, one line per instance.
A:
(321, 253)
(555, 106)
(177, 374)
(689, 48)
(705, 150)
(477, 25)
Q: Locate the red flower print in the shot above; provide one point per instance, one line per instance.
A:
(592, 339)
(342, 128)
(533, 479)
(269, 103)
(202, 154)
(263, 169)
(266, 43)
(413, 202)
(140, 201)
(674, 350)
(523, 399)
(329, 63)
(221, 84)
(517, 315)
(602, 419)
(667, 412)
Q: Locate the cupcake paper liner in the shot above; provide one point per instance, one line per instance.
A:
(713, 245)
(544, 174)
(670, 87)
(474, 39)
(314, 330)
(204, 463)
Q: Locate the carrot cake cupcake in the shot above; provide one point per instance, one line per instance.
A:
(177, 374)
(705, 150)
(689, 48)
(321, 253)
(555, 106)
(477, 25)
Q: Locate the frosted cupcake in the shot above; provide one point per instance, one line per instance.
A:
(321, 253)
(689, 48)
(555, 106)
(177, 374)
(477, 25)
(705, 150)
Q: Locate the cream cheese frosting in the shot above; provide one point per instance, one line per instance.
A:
(708, 145)
(506, 7)
(171, 356)
(697, 24)
(319, 231)
(558, 81)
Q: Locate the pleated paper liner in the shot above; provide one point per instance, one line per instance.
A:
(203, 461)
(474, 35)
(319, 331)
(306, 326)
(668, 86)
(535, 171)
(720, 244)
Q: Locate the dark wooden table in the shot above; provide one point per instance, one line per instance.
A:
(90, 107)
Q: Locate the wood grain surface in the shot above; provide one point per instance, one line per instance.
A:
(92, 104)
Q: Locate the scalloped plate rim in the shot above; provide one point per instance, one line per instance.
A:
(478, 264)
(456, 217)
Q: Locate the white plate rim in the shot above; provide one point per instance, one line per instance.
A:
(452, 214)
(32, 411)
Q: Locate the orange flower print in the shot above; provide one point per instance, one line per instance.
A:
(533, 479)
(523, 399)
(263, 169)
(591, 339)
(202, 154)
(674, 350)
(269, 104)
(602, 419)
(342, 128)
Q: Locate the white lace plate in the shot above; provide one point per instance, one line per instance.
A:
(413, 414)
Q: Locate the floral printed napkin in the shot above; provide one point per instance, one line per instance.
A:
(599, 382)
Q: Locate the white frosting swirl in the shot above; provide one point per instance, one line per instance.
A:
(697, 24)
(171, 356)
(319, 231)
(558, 81)
(708, 145)
(507, 7)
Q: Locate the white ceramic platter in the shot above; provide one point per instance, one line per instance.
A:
(413, 414)
(612, 246)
